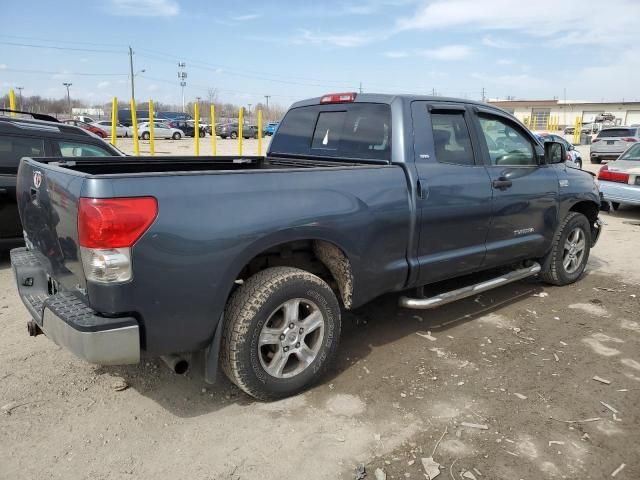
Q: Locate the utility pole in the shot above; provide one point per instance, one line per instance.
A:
(433, 92)
(20, 95)
(133, 91)
(360, 87)
(182, 76)
(564, 108)
(267, 97)
(67, 84)
(483, 94)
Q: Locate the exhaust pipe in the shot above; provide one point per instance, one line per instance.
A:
(176, 363)
(33, 328)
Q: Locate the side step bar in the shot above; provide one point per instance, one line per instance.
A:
(464, 292)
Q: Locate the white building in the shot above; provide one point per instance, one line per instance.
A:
(626, 113)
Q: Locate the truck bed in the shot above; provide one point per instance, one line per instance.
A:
(173, 164)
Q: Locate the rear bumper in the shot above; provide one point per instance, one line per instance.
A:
(69, 322)
(620, 192)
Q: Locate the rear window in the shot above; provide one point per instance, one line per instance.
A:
(12, 149)
(617, 132)
(355, 131)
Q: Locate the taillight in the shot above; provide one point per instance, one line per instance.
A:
(338, 97)
(107, 229)
(609, 176)
(595, 140)
(629, 139)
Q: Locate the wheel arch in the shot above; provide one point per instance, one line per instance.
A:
(317, 254)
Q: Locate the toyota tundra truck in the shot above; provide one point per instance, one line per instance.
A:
(246, 262)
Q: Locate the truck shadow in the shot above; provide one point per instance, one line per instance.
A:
(379, 323)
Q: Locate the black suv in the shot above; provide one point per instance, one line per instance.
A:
(188, 128)
(36, 136)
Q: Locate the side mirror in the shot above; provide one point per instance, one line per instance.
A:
(554, 152)
(570, 147)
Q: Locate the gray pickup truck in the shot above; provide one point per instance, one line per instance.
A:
(246, 262)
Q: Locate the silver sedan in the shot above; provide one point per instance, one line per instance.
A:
(620, 180)
(121, 130)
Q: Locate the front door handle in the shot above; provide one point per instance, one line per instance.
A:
(420, 190)
(502, 183)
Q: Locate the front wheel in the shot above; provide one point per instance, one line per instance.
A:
(202, 134)
(596, 160)
(146, 136)
(569, 254)
(176, 136)
(234, 135)
(281, 331)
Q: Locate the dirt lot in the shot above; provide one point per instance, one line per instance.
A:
(519, 360)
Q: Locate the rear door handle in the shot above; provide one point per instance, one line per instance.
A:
(420, 190)
(502, 183)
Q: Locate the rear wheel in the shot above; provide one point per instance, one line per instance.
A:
(234, 135)
(569, 254)
(615, 205)
(146, 136)
(281, 331)
(202, 134)
(596, 160)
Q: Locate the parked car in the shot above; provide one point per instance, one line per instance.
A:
(160, 130)
(187, 127)
(36, 136)
(87, 126)
(620, 179)
(611, 142)
(250, 131)
(84, 118)
(271, 128)
(605, 117)
(105, 125)
(247, 261)
(225, 130)
(573, 156)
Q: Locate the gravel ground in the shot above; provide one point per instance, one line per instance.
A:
(519, 360)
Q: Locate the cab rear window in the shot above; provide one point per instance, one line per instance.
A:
(13, 148)
(349, 131)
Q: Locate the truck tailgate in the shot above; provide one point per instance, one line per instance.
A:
(48, 204)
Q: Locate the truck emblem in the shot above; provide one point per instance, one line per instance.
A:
(37, 178)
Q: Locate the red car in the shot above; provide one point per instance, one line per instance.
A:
(93, 129)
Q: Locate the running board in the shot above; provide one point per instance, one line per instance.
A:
(453, 295)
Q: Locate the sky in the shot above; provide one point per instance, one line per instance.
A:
(292, 50)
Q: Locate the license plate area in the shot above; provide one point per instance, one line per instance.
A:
(610, 142)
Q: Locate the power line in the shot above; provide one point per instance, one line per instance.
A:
(49, 72)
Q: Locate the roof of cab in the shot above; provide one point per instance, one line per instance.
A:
(389, 98)
(27, 125)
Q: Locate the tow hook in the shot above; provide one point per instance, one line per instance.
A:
(33, 328)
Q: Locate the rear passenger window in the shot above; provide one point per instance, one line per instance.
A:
(451, 139)
(78, 149)
(12, 149)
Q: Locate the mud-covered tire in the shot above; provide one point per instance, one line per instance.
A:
(251, 307)
(553, 268)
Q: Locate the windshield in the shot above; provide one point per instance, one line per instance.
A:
(632, 154)
(353, 130)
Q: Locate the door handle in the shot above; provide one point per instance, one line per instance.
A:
(420, 190)
(502, 183)
(3, 192)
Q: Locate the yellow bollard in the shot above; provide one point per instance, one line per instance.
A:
(196, 128)
(114, 120)
(259, 132)
(213, 130)
(534, 122)
(240, 120)
(152, 133)
(12, 102)
(548, 122)
(134, 124)
(576, 131)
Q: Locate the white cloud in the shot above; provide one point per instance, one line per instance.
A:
(3, 66)
(245, 18)
(143, 8)
(347, 40)
(568, 18)
(396, 54)
(489, 41)
(505, 61)
(447, 52)
(104, 84)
